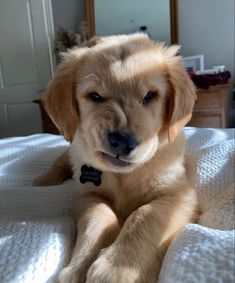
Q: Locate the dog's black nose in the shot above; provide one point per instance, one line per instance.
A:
(122, 143)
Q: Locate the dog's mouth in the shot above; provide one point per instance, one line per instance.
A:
(115, 160)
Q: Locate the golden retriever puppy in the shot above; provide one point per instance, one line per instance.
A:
(122, 103)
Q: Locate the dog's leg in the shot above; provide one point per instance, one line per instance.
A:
(59, 172)
(136, 254)
(97, 228)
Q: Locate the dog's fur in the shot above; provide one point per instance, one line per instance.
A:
(125, 225)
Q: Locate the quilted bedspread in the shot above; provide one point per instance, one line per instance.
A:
(37, 226)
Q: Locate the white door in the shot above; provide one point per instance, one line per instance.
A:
(26, 63)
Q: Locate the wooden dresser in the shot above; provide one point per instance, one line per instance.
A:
(211, 108)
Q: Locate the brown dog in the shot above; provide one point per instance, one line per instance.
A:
(122, 103)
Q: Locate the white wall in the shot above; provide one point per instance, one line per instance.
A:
(207, 27)
(68, 13)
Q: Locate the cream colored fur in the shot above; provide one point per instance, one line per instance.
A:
(125, 225)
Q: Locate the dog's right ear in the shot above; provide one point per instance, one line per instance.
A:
(59, 99)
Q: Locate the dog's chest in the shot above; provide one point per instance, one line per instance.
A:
(124, 196)
(129, 194)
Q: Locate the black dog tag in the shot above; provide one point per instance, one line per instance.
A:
(90, 174)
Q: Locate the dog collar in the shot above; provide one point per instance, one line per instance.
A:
(90, 174)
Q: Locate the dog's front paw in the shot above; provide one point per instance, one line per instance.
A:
(108, 270)
(72, 274)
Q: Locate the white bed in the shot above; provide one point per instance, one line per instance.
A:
(37, 226)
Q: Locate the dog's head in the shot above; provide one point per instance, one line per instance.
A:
(125, 96)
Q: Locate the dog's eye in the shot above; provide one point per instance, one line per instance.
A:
(149, 97)
(94, 96)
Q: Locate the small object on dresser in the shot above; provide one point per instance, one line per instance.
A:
(207, 80)
(194, 63)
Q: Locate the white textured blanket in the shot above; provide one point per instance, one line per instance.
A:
(36, 224)
(37, 229)
(201, 254)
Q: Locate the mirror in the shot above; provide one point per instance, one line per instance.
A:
(156, 17)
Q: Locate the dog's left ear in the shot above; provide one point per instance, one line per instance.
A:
(182, 98)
